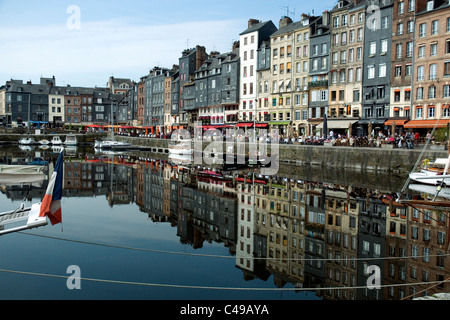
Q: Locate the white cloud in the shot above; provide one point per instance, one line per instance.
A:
(107, 47)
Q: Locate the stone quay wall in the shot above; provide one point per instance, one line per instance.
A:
(385, 159)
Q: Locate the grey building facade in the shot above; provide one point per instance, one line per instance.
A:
(377, 67)
(319, 68)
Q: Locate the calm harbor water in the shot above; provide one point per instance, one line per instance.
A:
(142, 226)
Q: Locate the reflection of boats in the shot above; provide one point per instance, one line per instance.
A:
(37, 214)
(56, 141)
(71, 140)
(434, 173)
(26, 147)
(44, 142)
(71, 150)
(19, 174)
(27, 141)
(181, 148)
(57, 148)
(428, 191)
(181, 158)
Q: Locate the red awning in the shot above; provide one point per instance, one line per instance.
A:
(261, 125)
(426, 124)
(248, 125)
(398, 122)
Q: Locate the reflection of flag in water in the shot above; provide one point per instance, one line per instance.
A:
(51, 204)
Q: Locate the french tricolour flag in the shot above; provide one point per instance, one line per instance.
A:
(51, 204)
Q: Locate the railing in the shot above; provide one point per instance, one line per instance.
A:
(321, 83)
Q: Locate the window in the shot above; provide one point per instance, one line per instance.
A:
(384, 46)
(370, 72)
(412, 5)
(421, 51)
(419, 112)
(350, 75)
(447, 69)
(433, 49)
(433, 71)
(399, 49)
(398, 71)
(434, 27)
(400, 28)
(431, 112)
(372, 48)
(384, 22)
(410, 26)
(419, 93)
(423, 30)
(420, 73)
(431, 92)
(382, 70)
(409, 49)
(446, 91)
(401, 7)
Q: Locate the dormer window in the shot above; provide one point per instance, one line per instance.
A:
(430, 5)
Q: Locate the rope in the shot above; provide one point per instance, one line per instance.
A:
(211, 287)
(230, 257)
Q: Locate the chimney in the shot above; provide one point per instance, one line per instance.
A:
(252, 22)
(285, 21)
(214, 54)
(235, 45)
(200, 56)
(326, 18)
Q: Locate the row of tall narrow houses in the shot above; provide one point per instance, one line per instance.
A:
(361, 67)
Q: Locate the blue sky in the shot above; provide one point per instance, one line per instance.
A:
(123, 38)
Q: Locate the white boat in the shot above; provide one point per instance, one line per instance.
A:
(27, 141)
(435, 173)
(24, 218)
(111, 145)
(71, 140)
(56, 141)
(20, 174)
(181, 148)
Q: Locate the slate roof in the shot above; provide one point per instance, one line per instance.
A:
(257, 27)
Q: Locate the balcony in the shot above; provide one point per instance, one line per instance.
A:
(316, 84)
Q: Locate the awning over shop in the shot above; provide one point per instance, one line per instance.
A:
(414, 124)
(261, 125)
(398, 122)
(248, 125)
(337, 124)
(280, 123)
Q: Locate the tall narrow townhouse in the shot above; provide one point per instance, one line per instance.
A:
(319, 67)
(191, 60)
(431, 68)
(403, 24)
(141, 102)
(250, 41)
(282, 84)
(301, 69)
(264, 84)
(347, 21)
(154, 103)
(230, 84)
(377, 67)
(170, 76)
(56, 106)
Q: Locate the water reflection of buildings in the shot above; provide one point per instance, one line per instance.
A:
(303, 234)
